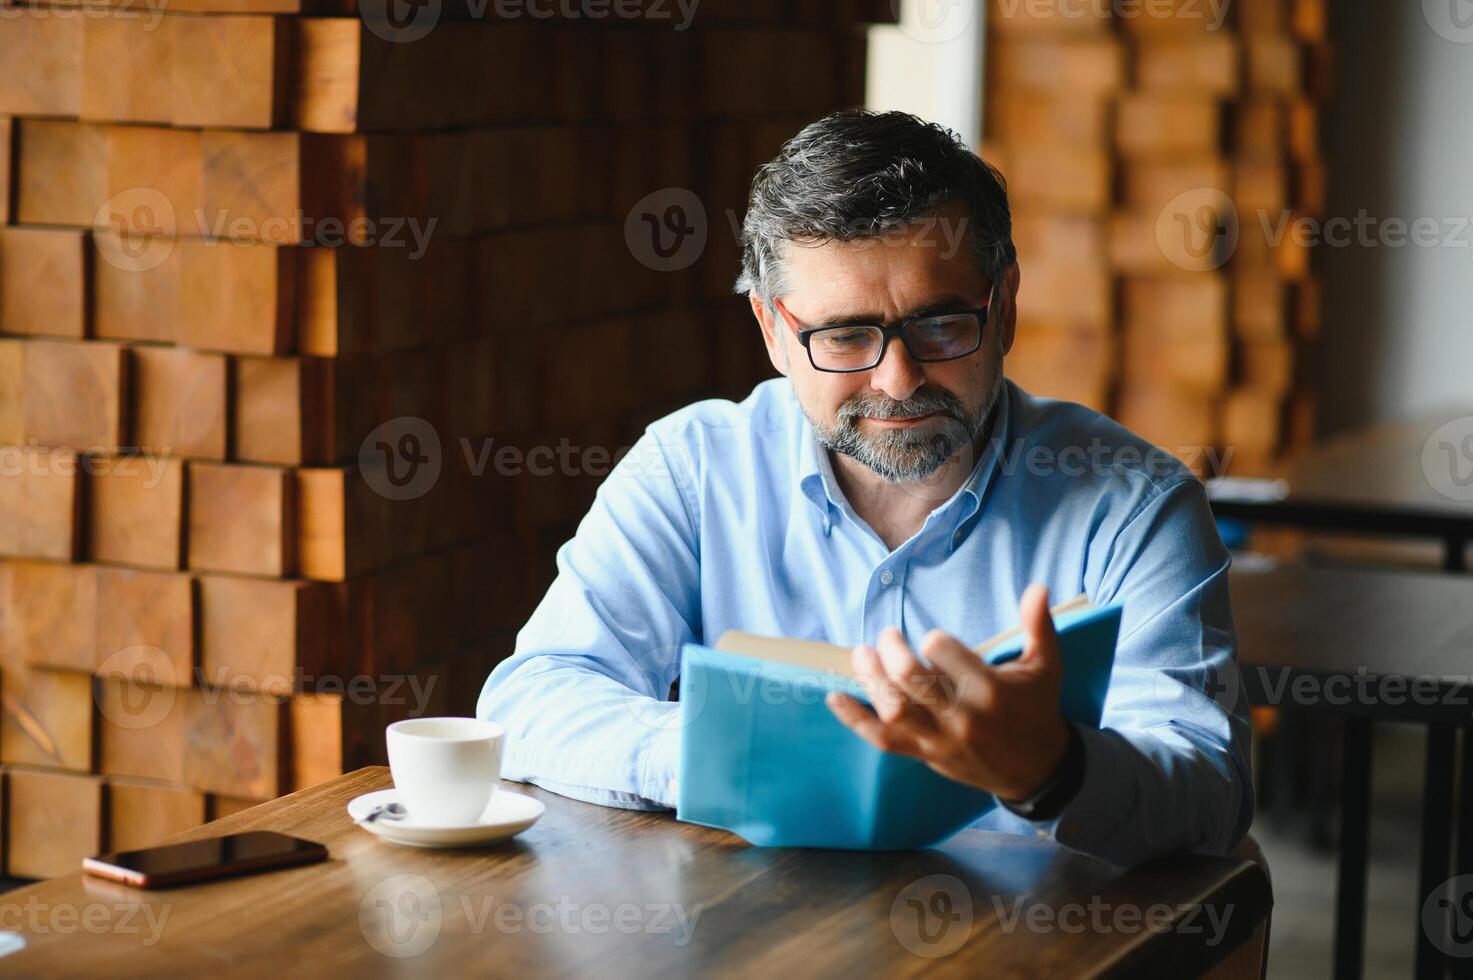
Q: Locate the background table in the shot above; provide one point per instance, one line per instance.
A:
(378, 909)
(1326, 629)
(1368, 481)
(1373, 481)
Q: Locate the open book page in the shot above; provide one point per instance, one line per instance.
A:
(830, 658)
(808, 654)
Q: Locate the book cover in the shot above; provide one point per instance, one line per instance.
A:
(763, 757)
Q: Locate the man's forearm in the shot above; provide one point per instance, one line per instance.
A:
(584, 735)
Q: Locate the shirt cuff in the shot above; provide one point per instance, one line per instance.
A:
(660, 780)
(1084, 821)
(1094, 792)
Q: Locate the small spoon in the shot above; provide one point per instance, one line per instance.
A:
(391, 811)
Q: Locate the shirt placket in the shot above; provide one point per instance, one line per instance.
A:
(884, 601)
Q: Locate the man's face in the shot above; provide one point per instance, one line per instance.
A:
(902, 419)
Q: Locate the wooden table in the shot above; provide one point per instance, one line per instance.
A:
(1370, 645)
(595, 891)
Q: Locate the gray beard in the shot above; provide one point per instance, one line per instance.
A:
(912, 454)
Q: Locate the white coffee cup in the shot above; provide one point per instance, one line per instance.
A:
(445, 769)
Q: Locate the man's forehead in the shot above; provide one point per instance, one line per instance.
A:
(880, 277)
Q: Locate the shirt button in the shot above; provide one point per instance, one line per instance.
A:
(886, 577)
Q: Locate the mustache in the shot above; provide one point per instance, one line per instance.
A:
(925, 401)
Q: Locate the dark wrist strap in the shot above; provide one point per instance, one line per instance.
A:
(1060, 790)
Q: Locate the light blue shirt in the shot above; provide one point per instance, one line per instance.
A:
(728, 516)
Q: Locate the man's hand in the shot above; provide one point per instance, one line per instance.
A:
(996, 728)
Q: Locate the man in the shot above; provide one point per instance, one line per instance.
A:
(895, 494)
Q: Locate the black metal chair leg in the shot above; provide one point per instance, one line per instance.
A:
(1355, 825)
(1437, 819)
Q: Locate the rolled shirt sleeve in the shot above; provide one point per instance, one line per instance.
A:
(1168, 770)
(585, 695)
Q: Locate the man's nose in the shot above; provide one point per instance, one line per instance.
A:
(897, 375)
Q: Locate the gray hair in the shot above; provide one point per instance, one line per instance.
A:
(858, 174)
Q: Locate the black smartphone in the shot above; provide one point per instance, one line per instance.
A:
(205, 860)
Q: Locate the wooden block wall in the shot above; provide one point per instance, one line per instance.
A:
(236, 240)
(1146, 155)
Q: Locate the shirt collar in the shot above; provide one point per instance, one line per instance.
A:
(816, 478)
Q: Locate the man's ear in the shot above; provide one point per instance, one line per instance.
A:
(771, 335)
(1007, 315)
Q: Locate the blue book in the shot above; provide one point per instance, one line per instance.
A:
(762, 756)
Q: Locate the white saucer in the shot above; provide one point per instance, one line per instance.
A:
(507, 815)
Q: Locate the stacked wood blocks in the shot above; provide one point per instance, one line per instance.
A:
(1154, 159)
(239, 236)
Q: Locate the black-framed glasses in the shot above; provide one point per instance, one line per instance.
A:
(928, 339)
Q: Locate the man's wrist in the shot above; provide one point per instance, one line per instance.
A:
(1049, 800)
